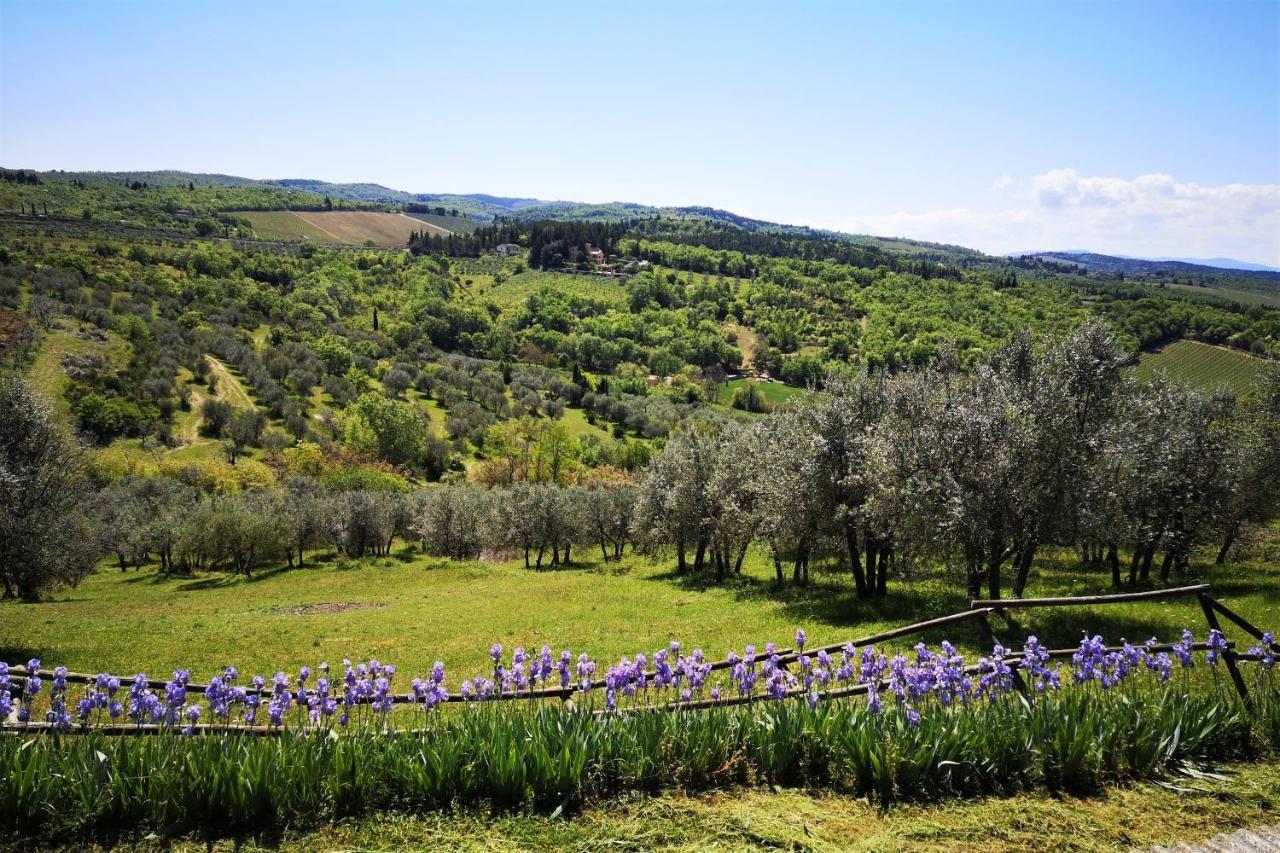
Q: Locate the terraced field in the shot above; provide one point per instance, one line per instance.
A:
(1203, 365)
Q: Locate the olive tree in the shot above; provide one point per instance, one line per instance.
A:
(46, 538)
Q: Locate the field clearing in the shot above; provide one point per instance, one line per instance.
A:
(774, 393)
(47, 373)
(355, 227)
(451, 224)
(1203, 365)
(351, 227)
(515, 290)
(1245, 297)
(282, 225)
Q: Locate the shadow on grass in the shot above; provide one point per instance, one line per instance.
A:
(829, 599)
(19, 654)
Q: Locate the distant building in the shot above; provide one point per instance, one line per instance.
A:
(596, 254)
(507, 249)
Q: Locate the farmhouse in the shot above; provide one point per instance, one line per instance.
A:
(507, 249)
(596, 254)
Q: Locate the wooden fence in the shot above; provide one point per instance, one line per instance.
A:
(979, 611)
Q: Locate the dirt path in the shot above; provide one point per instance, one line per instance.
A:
(429, 225)
(228, 385)
(227, 388)
(747, 343)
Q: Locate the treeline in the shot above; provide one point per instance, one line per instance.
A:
(770, 244)
(976, 471)
(471, 245)
(20, 176)
(185, 531)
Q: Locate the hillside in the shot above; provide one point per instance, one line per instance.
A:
(1253, 279)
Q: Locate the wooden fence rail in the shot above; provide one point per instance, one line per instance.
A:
(978, 610)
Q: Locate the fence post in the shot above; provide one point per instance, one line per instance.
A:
(1228, 655)
(985, 624)
(1244, 624)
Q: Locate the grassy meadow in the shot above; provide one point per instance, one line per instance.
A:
(411, 610)
(774, 393)
(1203, 365)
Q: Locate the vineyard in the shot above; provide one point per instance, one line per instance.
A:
(1207, 367)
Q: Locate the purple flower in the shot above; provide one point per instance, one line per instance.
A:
(1217, 645)
(800, 639)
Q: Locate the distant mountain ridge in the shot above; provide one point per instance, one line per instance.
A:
(484, 207)
(1095, 262)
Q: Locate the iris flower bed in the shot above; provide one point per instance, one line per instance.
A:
(926, 724)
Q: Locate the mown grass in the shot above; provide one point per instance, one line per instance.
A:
(425, 609)
(1205, 366)
(283, 225)
(774, 393)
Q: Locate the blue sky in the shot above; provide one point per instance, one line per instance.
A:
(1145, 127)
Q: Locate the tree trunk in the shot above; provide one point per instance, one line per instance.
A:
(682, 565)
(994, 561)
(1226, 545)
(777, 564)
(882, 571)
(855, 559)
(975, 580)
(567, 559)
(700, 556)
(742, 555)
(1167, 563)
(1133, 564)
(1025, 557)
(526, 555)
(604, 552)
(1113, 557)
(873, 561)
(1144, 574)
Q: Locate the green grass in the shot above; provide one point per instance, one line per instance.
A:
(46, 372)
(428, 609)
(1245, 297)
(515, 290)
(774, 393)
(1208, 367)
(580, 427)
(1129, 817)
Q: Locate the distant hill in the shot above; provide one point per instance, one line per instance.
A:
(1112, 264)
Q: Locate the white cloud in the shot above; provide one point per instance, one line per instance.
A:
(1002, 183)
(1147, 215)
